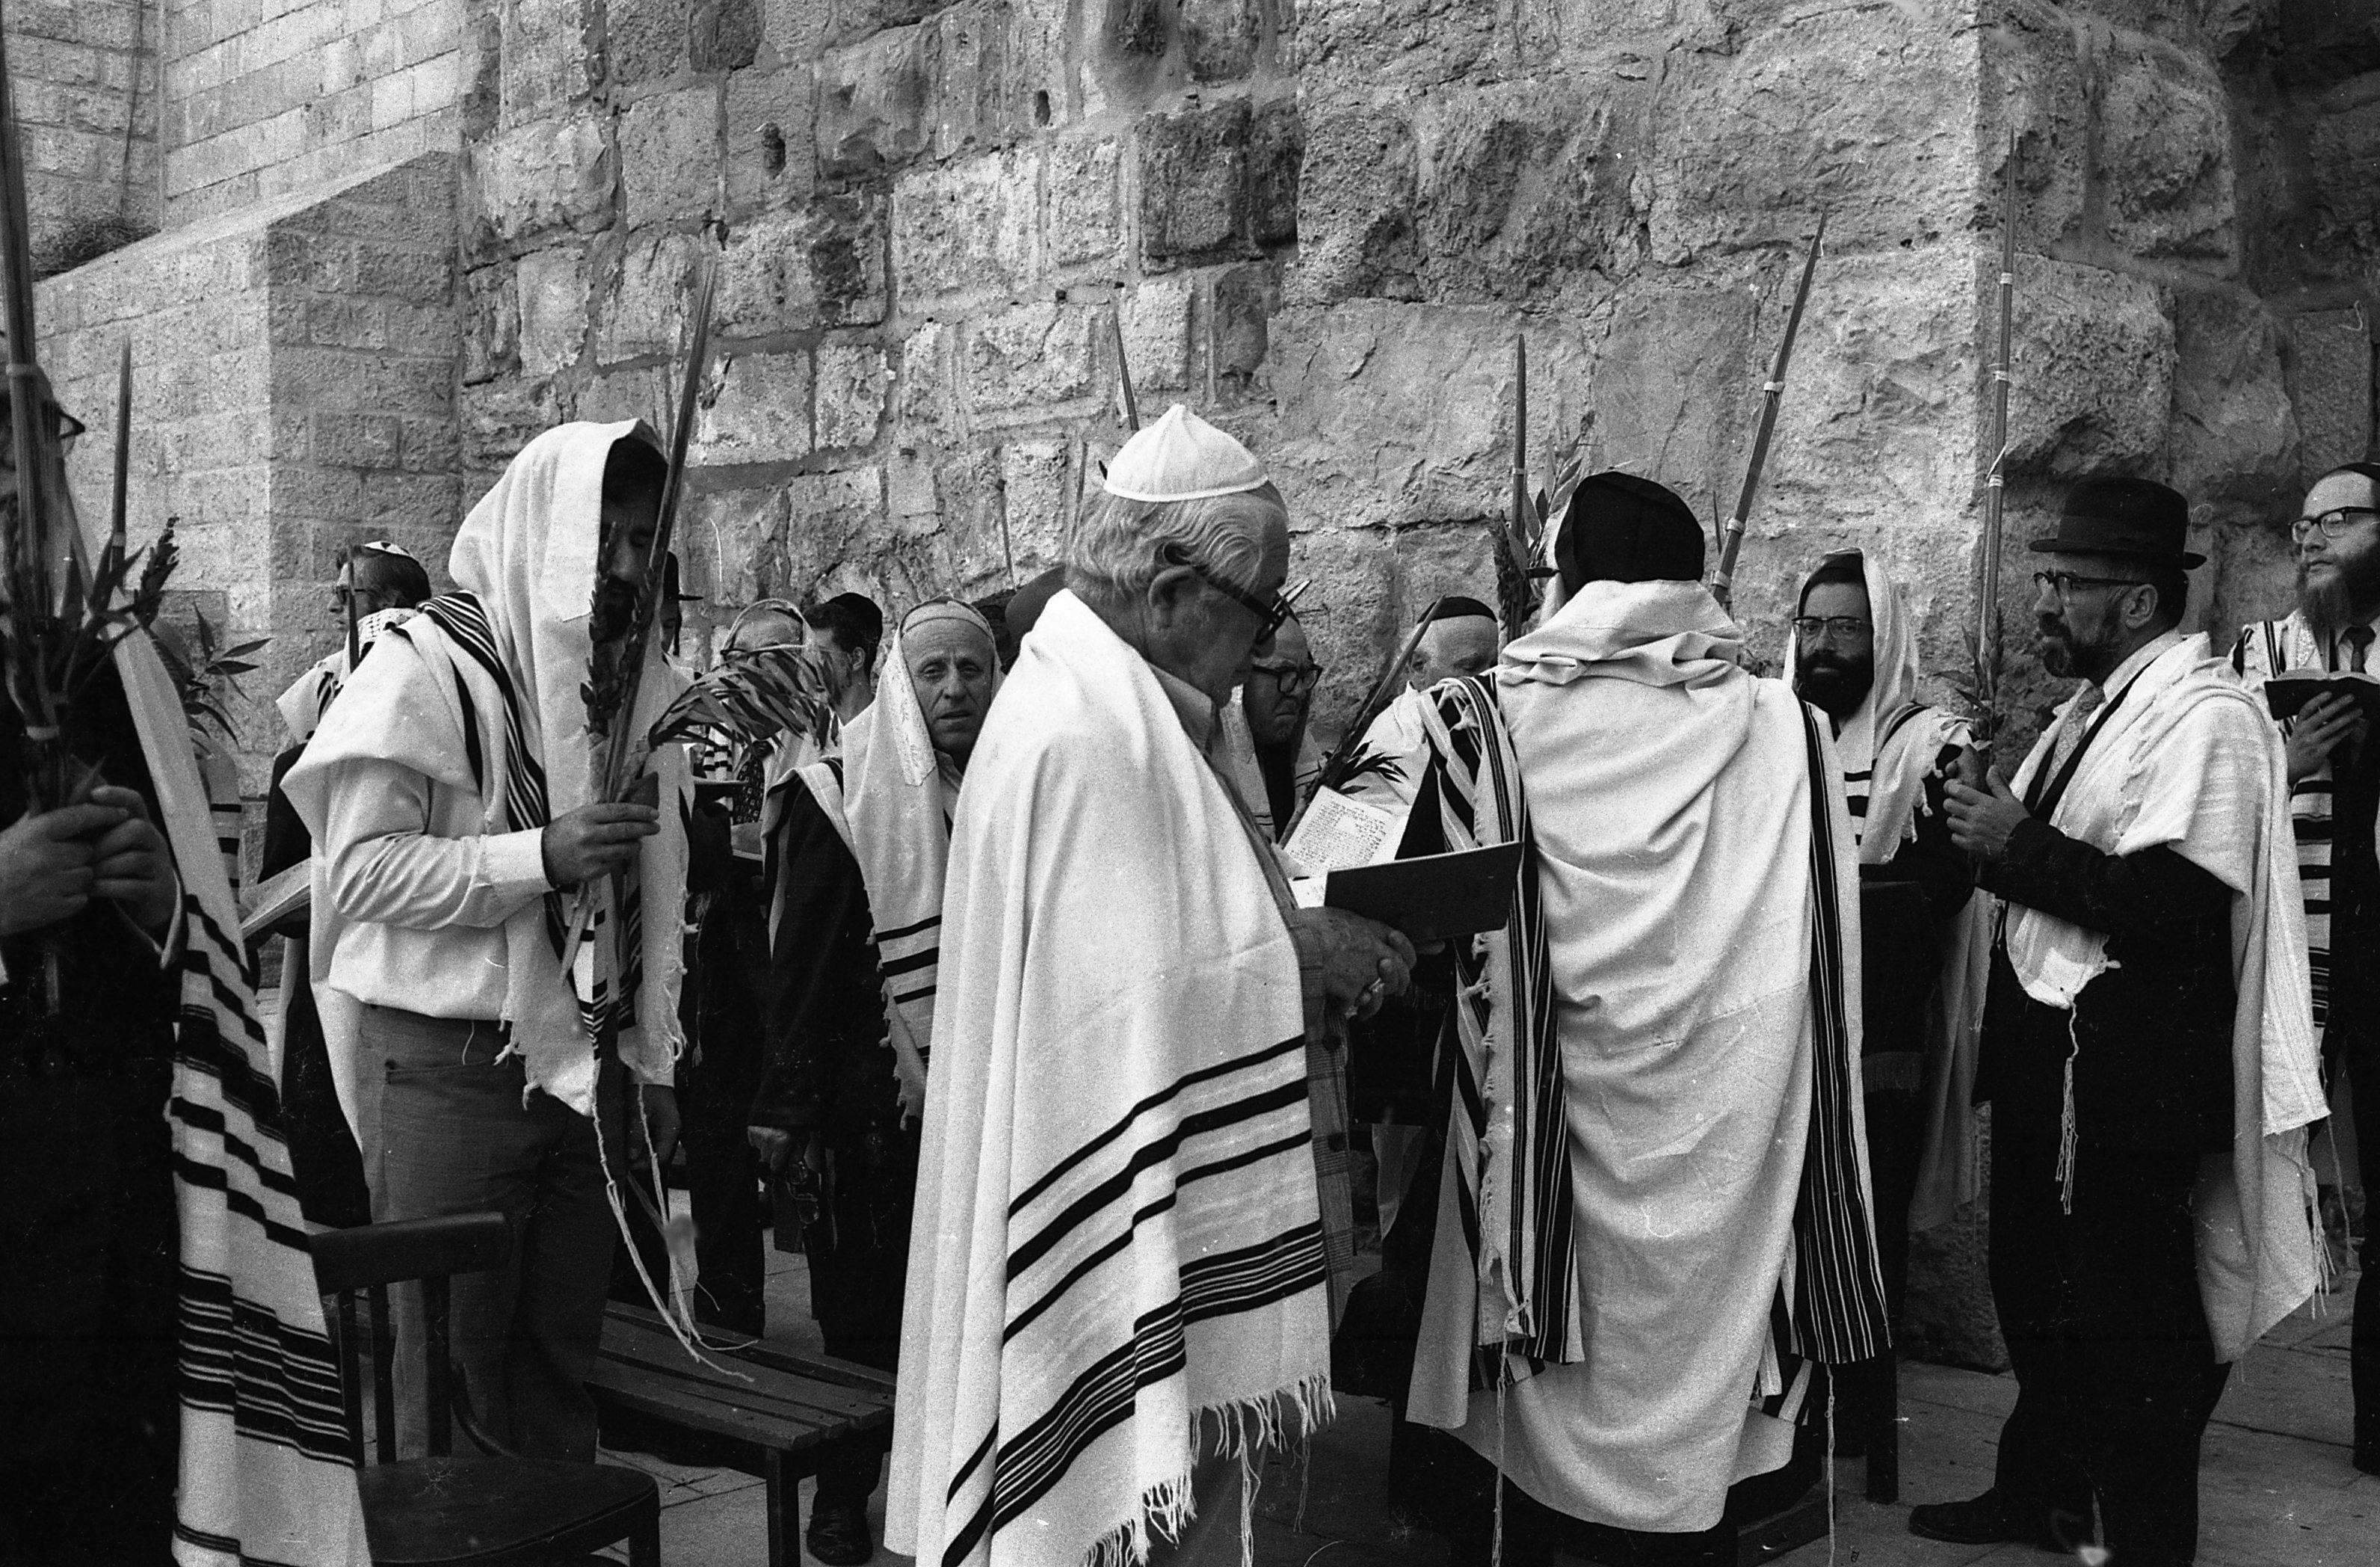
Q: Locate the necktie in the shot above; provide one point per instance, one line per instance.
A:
(2077, 724)
(2358, 645)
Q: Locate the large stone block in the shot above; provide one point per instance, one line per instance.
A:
(2165, 154)
(2033, 84)
(761, 413)
(499, 417)
(1038, 485)
(834, 523)
(670, 156)
(2332, 380)
(646, 40)
(1356, 209)
(793, 272)
(969, 226)
(2345, 200)
(1086, 221)
(1402, 49)
(873, 112)
(1029, 355)
(1194, 181)
(725, 34)
(1155, 320)
(852, 380)
(644, 299)
(1519, 185)
(549, 63)
(535, 181)
(1220, 38)
(924, 401)
(1276, 159)
(2095, 362)
(771, 132)
(982, 81)
(731, 533)
(2235, 435)
(554, 299)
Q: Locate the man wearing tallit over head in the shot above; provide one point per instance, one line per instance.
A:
(2148, 1047)
(1925, 937)
(451, 792)
(858, 845)
(1654, 1212)
(1117, 1293)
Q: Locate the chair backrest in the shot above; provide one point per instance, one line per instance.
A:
(367, 1259)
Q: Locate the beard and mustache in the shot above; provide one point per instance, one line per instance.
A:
(2069, 650)
(1833, 682)
(2346, 596)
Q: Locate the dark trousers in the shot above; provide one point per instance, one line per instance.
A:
(2359, 1051)
(90, 1424)
(1534, 1532)
(458, 1140)
(2116, 1374)
(723, 1177)
(858, 1277)
(1896, 1136)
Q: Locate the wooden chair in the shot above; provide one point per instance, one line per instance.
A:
(443, 1510)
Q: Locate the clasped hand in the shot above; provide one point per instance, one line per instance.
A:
(1984, 811)
(596, 840)
(1363, 962)
(54, 863)
(2322, 726)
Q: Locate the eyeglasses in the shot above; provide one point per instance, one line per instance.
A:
(1292, 679)
(1269, 612)
(2063, 583)
(1840, 628)
(2331, 524)
(65, 427)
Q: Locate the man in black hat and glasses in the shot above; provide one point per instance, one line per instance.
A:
(2147, 1050)
(2334, 799)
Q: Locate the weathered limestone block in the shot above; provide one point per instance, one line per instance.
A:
(1353, 614)
(1399, 48)
(1518, 185)
(796, 30)
(793, 271)
(924, 401)
(968, 226)
(761, 413)
(2235, 435)
(1029, 355)
(1085, 220)
(643, 301)
(1749, 153)
(2165, 154)
(2095, 363)
(1398, 413)
(2346, 147)
(549, 65)
(553, 297)
(872, 112)
(1240, 310)
(1038, 482)
(1220, 38)
(728, 534)
(670, 158)
(536, 179)
(833, 531)
(647, 391)
(1156, 318)
(725, 34)
(2034, 84)
(646, 41)
(1355, 208)
(1135, 27)
(770, 139)
(498, 419)
(1194, 181)
(853, 19)
(2333, 386)
(852, 380)
(982, 78)
(1276, 159)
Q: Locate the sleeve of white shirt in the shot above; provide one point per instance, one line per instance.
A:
(386, 868)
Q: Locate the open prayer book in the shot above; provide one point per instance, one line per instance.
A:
(1336, 832)
(2285, 694)
(277, 898)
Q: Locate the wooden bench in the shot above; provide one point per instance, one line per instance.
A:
(791, 1413)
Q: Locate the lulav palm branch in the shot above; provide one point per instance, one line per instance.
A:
(753, 698)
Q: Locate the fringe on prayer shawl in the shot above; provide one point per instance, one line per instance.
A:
(1245, 1431)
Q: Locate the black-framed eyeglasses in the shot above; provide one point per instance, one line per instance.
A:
(1294, 679)
(1269, 612)
(66, 428)
(2331, 524)
(1842, 628)
(2063, 583)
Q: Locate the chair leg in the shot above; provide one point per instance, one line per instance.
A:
(785, 1512)
(645, 1540)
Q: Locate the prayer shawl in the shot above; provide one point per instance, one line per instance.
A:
(1115, 1248)
(2184, 755)
(1887, 750)
(309, 697)
(891, 800)
(1654, 1149)
(482, 691)
(265, 1472)
(1246, 775)
(2270, 647)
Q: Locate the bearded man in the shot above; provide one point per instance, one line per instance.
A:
(1654, 1215)
(857, 847)
(1119, 1297)
(1271, 758)
(452, 791)
(2147, 1053)
(1854, 657)
(2334, 775)
(1458, 641)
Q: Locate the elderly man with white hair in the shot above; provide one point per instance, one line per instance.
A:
(1117, 1286)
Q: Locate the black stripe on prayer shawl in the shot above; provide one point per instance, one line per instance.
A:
(222, 1339)
(910, 965)
(926, 924)
(1024, 1255)
(1839, 1282)
(224, 1546)
(1241, 1279)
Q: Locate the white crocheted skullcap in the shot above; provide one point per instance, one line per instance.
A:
(1182, 457)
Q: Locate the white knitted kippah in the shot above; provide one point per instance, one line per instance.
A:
(1182, 457)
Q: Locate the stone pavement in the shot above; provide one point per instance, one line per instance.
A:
(2276, 1489)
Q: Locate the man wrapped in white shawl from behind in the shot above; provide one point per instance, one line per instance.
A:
(451, 792)
(1116, 1289)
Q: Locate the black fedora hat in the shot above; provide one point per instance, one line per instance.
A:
(2122, 517)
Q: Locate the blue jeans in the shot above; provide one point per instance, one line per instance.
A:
(458, 1138)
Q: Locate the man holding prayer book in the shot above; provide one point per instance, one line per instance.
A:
(2334, 773)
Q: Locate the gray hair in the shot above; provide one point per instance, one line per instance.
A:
(1116, 547)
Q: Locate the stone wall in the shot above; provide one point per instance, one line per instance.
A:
(85, 76)
(294, 374)
(268, 97)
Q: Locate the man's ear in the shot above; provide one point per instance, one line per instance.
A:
(1172, 593)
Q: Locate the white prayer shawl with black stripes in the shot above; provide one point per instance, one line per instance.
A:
(265, 1472)
(1116, 1241)
(2183, 756)
(308, 697)
(1655, 1154)
(2273, 647)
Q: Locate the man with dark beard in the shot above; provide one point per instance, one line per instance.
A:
(2334, 791)
(1855, 658)
(2147, 1051)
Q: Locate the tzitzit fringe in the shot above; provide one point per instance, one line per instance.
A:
(1245, 1431)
